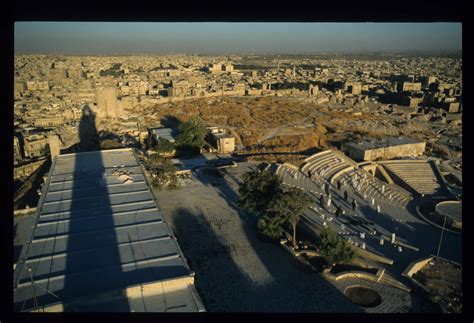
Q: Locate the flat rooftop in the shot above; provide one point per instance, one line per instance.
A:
(167, 133)
(222, 135)
(98, 229)
(382, 143)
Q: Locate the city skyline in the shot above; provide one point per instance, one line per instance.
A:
(226, 38)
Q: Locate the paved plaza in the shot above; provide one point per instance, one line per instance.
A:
(235, 271)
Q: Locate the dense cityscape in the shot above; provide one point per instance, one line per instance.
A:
(327, 182)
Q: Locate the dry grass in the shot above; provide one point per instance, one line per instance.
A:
(271, 124)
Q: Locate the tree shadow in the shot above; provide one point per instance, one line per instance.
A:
(170, 121)
(226, 287)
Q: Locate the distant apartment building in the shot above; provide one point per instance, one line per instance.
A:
(354, 88)
(452, 107)
(107, 103)
(19, 88)
(214, 68)
(426, 81)
(37, 86)
(412, 101)
(138, 87)
(409, 86)
(313, 89)
(17, 155)
(224, 143)
(36, 147)
(49, 122)
(75, 74)
(178, 88)
(228, 67)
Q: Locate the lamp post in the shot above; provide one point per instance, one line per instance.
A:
(441, 238)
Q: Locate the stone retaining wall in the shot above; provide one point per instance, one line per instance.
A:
(24, 211)
(415, 266)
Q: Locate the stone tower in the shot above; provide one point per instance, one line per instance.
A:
(54, 146)
(107, 103)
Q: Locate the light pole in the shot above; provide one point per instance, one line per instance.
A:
(441, 238)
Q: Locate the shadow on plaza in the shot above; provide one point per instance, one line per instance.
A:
(422, 235)
(170, 121)
(208, 255)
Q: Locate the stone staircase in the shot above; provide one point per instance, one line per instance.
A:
(417, 175)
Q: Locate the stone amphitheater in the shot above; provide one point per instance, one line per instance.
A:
(386, 194)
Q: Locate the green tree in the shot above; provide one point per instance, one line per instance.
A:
(192, 134)
(261, 193)
(257, 190)
(334, 248)
(164, 146)
(289, 205)
(163, 172)
(271, 227)
(147, 142)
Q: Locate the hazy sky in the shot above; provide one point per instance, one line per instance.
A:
(127, 37)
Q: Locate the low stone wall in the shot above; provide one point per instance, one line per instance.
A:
(395, 151)
(415, 266)
(384, 173)
(54, 308)
(24, 212)
(379, 277)
(339, 173)
(141, 290)
(372, 256)
(138, 291)
(357, 274)
(308, 252)
(290, 166)
(27, 170)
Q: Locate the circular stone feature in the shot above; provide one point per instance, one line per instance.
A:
(363, 296)
(452, 210)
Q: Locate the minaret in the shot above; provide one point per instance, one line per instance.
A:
(294, 71)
